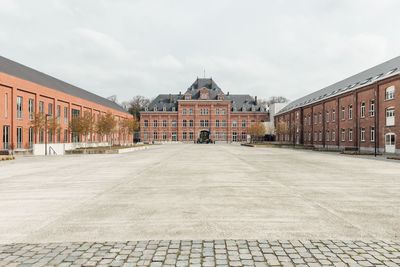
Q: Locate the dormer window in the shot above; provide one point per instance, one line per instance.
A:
(164, 108)
(243, 108)
(220, 97)
(155, 108)
(253, 108)
(146, 108)
(204, 93)
(188, 97)
(173, 108)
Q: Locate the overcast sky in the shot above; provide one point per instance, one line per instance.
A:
(146, 47)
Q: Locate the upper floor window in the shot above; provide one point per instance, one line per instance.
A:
(155, 123)
(184, 111)
(390, 117)
(372, 108)
(6, 105)
(31, 108)
(224, 123)
(19, 107)
(191, 123)
(315, 118)
(234, 123)
(333, 115)
(184, 123)
(350, 112)
(223, 111)
(217, 123)
(190, 111)
(164, 123)
(217, 111)
(243, 123)
(174, 123)
(65, 114)
(342, 114)
(362, 110)
(50, 109)
(389, 93)
(41, 107)
(327, 116)
(320, 117)
(146, 123)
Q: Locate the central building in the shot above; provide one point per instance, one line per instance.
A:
(203, 112)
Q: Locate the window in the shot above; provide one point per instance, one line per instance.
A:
(244, 136)
(184, 111)
(155, 123)
(41, 136)
(6, 105)
(184, 135)
(217, 111)
(320, 117)
(75, 113)
(19, 107)
(234, 124)
(65, 136)
(327, 116)
(65, 114)
(343, 135)
(174, 136)
(372, 108)
(50, 136)
(389, 93)
(184, 123)
(191, 111)
(31, 109)
(41, 107)
(58, 135)
(372, 134)
(58, 115)
(350, 134)
(309, 119)
(201, 123)
(206, 123)
(327, 136)
(223, 123)
(333, 136)
(342, 114)
(216, 135)
(315, 136)
(6, 137)
(362, 135)
(191, 123)
(50, 111)
(234, 136)
(164, 136)
(146, 136)
(333, 115)
(174, 123)
(350, 112)
(155, 135)
(362, 113)
(19, 137)
(315, 118)
(30, 137)
(390, 117)
(243, 123)
(164, 123)
(146, 123)
(223, 112)
(191, 136)
(217, 123)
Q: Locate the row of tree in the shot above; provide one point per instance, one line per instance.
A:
(85, 125)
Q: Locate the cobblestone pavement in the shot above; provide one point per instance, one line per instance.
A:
(204, 253)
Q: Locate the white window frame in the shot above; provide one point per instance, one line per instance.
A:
(389, 93)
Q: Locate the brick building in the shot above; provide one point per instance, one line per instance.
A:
(357, 113)
(25, 92)
(204, 111)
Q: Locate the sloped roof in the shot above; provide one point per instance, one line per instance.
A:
(379, 72)
(23, 72)
(170, 101)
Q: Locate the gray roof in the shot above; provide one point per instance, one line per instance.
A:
(169, 102)
(18, 70)
(367, 77)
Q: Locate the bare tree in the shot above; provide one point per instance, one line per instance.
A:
(256, 131)
(276, 99)
(136, 104)
(106, 125)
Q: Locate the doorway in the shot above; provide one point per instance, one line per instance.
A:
(390, 143)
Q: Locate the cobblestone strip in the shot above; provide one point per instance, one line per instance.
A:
(204, 253)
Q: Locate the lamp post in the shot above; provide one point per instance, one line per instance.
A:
(45, 133)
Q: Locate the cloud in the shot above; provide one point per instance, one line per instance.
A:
(167, 62)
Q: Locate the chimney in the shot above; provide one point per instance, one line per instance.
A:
(180, 93)
(255, 100)
(170, 98)
(227, 93)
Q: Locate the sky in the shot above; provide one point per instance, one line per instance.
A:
(149, 47)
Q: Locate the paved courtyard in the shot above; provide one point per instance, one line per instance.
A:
(238, 197)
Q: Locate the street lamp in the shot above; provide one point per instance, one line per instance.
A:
(45, 133)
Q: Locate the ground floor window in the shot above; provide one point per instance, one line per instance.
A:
(19, 137)
(234, 136)
(333, 136)
(372, 134)
(244, 136)
(184, 135)
(350, 134)
(58, 135)
(65, 136)
(155, 135)
(174, 136)
(146, 136)
(343, 135)
(191, 135)
(362, 134)
(75, 138)
(6, 136)
(327, 136)
(216, 135)
(320, 136)
(164, 136)
(30, 137)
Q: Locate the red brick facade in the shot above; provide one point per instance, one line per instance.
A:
(206, 109)
(20, 99)
(360, 119)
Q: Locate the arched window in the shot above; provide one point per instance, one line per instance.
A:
(389, 93)
(362, 110)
